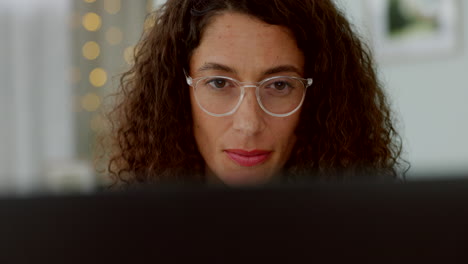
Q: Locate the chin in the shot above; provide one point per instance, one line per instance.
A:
(240, 180)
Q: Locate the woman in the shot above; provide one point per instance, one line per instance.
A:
(245, 92)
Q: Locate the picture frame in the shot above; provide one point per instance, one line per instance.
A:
(403, 30)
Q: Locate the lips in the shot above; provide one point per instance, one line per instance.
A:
(248, 158)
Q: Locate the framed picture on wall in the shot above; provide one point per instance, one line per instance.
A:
(402, 30)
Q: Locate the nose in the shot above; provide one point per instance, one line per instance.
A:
(249, 117)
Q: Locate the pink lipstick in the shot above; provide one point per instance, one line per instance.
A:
(247, 158)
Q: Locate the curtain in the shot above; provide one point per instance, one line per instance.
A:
(35, 94)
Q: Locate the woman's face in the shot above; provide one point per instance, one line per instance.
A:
(249, 146)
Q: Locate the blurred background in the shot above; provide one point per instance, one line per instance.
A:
(60, 59)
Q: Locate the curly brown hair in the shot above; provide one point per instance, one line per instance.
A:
(345, 123)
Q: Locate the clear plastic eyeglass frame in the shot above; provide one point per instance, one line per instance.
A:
(306, 82)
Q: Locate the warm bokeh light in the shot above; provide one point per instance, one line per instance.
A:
(149, 22)
(91, 21)
(91, 102)
(91, 50)
(128, 54)
(112, 6)
(98, 77)
(90, 1)
(114, 35)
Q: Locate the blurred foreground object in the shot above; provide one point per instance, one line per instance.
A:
(372, 223)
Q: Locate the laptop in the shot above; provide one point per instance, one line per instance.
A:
(372, 223)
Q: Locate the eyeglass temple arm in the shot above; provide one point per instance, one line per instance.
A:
(188, 78)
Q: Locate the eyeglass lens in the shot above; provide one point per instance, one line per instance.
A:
(219, 95)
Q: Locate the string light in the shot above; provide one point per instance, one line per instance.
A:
(91, 50)
(91, 21)
(98, 77)
(91, 102)
(112, 6)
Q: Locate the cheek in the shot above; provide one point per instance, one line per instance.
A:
(206, 129)
(284, 134)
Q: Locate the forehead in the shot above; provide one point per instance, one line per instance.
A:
(227, 24)
(246, 43)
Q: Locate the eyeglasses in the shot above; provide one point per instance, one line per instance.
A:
(221, 96)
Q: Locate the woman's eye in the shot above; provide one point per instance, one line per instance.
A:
(218, 83)
(280, 85)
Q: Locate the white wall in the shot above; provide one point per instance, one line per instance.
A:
(430, 97)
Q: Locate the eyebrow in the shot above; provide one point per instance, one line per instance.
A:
(282, 68)
(220, 67)
(215, 66)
